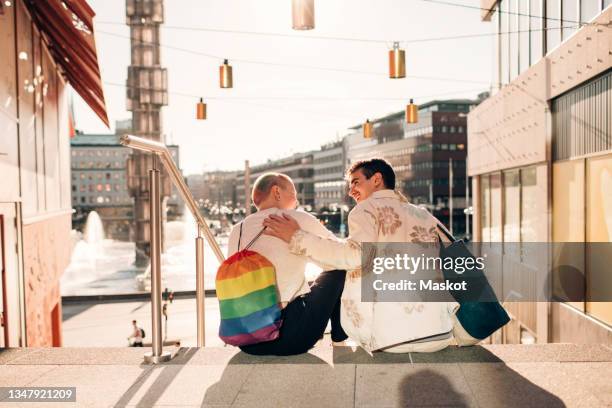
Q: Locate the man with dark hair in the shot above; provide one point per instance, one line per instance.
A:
(373, 166)
(381, 215)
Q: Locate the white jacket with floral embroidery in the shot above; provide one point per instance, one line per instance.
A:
(385, 216)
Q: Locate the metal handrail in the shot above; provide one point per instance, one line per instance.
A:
(162, 151)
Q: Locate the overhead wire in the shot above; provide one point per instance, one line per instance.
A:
(285, 65)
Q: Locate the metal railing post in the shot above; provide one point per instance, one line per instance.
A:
(156, 355)
(200, 299)
(161, 152)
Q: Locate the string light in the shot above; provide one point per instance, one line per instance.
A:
(368, 129)
(397, 62)
(297, 66)
(303, 14)
(412, 112)
(226, 78)
(201, 110)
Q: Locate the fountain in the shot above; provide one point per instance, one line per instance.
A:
(94, 231)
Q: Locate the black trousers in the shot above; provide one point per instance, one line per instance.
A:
(305, 318)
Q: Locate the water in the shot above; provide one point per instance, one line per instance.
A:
(102, 266)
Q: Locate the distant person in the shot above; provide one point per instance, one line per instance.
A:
(137, 335)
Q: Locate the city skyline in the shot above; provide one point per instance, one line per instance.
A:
(282, 115)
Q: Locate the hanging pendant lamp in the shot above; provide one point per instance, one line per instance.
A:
(368, 129)
(226, 77)
(412, 112)
(397, 62)
(201, 110)
(303, 14)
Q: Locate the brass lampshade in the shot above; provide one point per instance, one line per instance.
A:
(397, 62)
(303, 14)
(368, 130)
(201, 110)
(226, 78)
(412, 113)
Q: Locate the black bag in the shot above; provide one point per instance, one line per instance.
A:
(142, 333)
(479, 319)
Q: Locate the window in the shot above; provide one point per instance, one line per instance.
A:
(512, 204)
(82, 200)
(496, 207)
(99, 187)
(523, 35)
(514, 45)
(598, 221)
(588, 10)
(505, 42)
(568, 223)
(536, 34)
(569, 13)
(533, 204)
(485, 204)
(552, 21)
(460, 147)
(108, 176)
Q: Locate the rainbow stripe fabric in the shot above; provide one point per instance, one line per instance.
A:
(248, 299)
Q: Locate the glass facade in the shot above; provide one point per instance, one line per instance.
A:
(552, 23)
(512, 210)
(529, 29)
(524, 22)
(536, 34)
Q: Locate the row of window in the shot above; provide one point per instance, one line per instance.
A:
(529, 29)
(327, 159)
(101, 200)
(330, 194)
(330, 170)
(99, 187)
(327, 184)
(99, 153)
(436, 182)
(98, 165)
(90, 176)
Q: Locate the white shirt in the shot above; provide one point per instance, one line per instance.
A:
(290, 268)
(385, 216)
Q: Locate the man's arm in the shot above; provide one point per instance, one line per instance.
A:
(342, 254)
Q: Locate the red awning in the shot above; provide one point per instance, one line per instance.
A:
(67, 26)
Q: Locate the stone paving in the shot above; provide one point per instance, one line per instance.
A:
(553, 375)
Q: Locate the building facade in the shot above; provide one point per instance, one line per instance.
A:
(330, 187)
(217, 187)
(35, 196)
(422, 154)
(99, 183)
(298, 166)
(540, 152)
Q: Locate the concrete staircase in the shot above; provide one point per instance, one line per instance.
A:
(481, 376)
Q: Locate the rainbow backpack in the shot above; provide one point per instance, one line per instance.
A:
(248, 297)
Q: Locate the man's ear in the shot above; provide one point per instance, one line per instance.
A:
(378, 180)
(276, 192)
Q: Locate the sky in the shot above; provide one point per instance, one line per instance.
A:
(276, 110)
